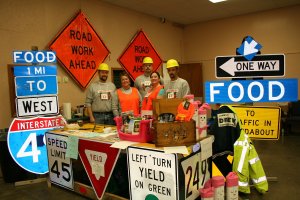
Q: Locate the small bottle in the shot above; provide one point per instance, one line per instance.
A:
(218, 183)
(232, 186)
(207, 193)
(203, 120)
(196, 117)
(126, 128)
(136, 129)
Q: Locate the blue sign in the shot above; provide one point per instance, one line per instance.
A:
(283, 90)
(29, 150)
(24, 57)
(36, 85)
(34, 70)
(249, 48)
(27, 144)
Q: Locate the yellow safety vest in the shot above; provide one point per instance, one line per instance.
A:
(247, 165)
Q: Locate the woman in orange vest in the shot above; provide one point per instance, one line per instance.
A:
(155, 92)
(129, 97)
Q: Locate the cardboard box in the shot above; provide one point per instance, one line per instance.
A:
(171, 133)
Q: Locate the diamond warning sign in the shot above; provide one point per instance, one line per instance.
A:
(132, 58)
(80, 49)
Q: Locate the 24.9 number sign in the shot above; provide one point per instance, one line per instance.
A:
(60, 166)
(196, 174)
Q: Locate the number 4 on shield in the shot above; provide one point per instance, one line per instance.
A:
(34, 150)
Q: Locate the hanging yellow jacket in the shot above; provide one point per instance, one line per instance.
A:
(247, 165)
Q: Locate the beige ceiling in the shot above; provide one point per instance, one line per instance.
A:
(186, 12)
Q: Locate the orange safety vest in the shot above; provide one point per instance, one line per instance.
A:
(129, 101)
(147, 101)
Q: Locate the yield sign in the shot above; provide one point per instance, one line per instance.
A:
(80, 49)
(132, 58)
(259, 66)
(98, 160)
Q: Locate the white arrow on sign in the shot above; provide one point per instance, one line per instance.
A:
(249, 48)
(232, 66)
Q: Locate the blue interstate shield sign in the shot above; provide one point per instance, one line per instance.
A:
(26, 141)
(35, 85)
(29, 150)
(283, 90)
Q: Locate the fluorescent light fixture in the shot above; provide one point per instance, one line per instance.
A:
(216, 1)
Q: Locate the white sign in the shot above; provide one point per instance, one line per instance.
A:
(152, 172)
(258, 66)
(206, 148)
(44, 105)
(249, 66)
(60, 166)
(196, 173)
(97, 161)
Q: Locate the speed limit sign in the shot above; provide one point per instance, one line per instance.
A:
(60, 166)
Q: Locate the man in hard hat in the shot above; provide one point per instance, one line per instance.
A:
(175, 87)
(101, 100)
(142, 82)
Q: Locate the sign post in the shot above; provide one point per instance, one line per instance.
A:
(257, 122)
(26, 136)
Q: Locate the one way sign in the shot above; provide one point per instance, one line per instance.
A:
(259, 66)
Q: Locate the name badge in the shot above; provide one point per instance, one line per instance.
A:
(104, 96)
(186, 105)
(171, 95)
(147, 83)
